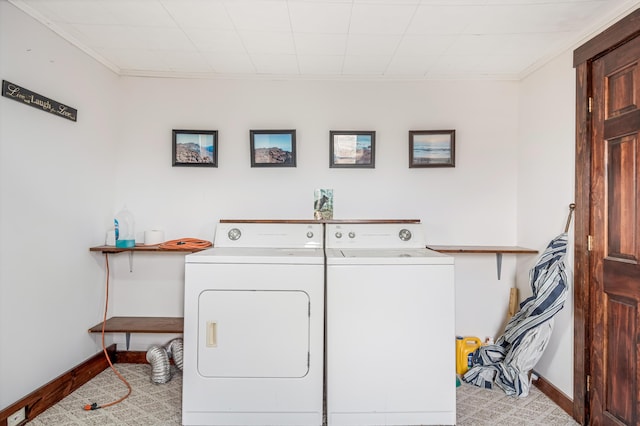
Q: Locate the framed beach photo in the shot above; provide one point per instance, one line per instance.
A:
(352, 149)
(195, 148)
(432, 148)
(273, 148)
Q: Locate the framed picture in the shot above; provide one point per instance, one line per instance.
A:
(273, 148)
(195, 148)
(352, 149)
(432, 148)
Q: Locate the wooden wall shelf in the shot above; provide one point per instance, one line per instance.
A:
(497, 250)
(484, 249)
(130, 325)
(141, 248)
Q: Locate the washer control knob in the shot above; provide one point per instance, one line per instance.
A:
(352, 234)
(234, 234)
(338, 234)
(404, 234)
(309, 234)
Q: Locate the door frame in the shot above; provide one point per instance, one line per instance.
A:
(618, 34)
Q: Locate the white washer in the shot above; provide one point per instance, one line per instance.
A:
(390, 327)
(253, 327)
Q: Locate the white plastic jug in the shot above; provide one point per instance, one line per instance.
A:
(125, 229)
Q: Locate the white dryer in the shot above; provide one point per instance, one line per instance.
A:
(253, 327)
(390, 341)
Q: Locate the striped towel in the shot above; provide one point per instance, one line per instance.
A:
(508, 362)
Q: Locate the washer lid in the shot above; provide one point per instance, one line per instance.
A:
(255, 255)
(387, 257)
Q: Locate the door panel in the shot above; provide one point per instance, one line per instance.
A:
(621, 323)
(622, 204)
(253, 333)
(615, 222)
(620, 99)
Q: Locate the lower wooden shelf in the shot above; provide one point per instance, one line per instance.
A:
(130, 325)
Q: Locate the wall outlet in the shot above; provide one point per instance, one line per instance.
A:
(17, 417)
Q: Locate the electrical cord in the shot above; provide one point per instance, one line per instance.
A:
(185, 244)
(95, 405)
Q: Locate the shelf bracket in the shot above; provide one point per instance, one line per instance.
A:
(127, 338)
(498, 250)
(131, 261)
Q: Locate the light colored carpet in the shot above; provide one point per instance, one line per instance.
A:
(160, 405)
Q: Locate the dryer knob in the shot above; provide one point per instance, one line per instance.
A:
(338, 234)
(234, 234)
(352, 234)
(309, 234)
(404, 234)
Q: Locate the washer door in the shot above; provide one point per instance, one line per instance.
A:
(253, 333)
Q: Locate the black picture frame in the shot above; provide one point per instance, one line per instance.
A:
(432, 148)
(273, 148)
(195, 148)
(352, 149)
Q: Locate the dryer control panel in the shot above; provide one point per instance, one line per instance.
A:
(268, 235)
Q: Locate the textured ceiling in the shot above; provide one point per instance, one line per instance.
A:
(334, 39)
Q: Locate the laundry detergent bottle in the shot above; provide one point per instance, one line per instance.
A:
(465, 347)
(125, 229)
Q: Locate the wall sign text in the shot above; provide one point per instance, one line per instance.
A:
(27, 97)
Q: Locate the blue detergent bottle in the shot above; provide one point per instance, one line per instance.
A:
(125, 229)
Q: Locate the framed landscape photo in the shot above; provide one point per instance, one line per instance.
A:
(432, 148)
(273, 148)
(352, 149)
(195, 148)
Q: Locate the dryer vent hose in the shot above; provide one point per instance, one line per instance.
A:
(176, 351)
(160, 368)
(158, 357)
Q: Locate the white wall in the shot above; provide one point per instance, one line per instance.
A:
(473, 203)
(55, 191)
(545, 189)
(62, 182)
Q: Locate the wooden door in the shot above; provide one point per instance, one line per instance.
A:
(615, 254)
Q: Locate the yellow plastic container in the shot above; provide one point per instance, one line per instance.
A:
(465, 346)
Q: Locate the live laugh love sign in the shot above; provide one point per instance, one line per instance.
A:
(27, 97)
